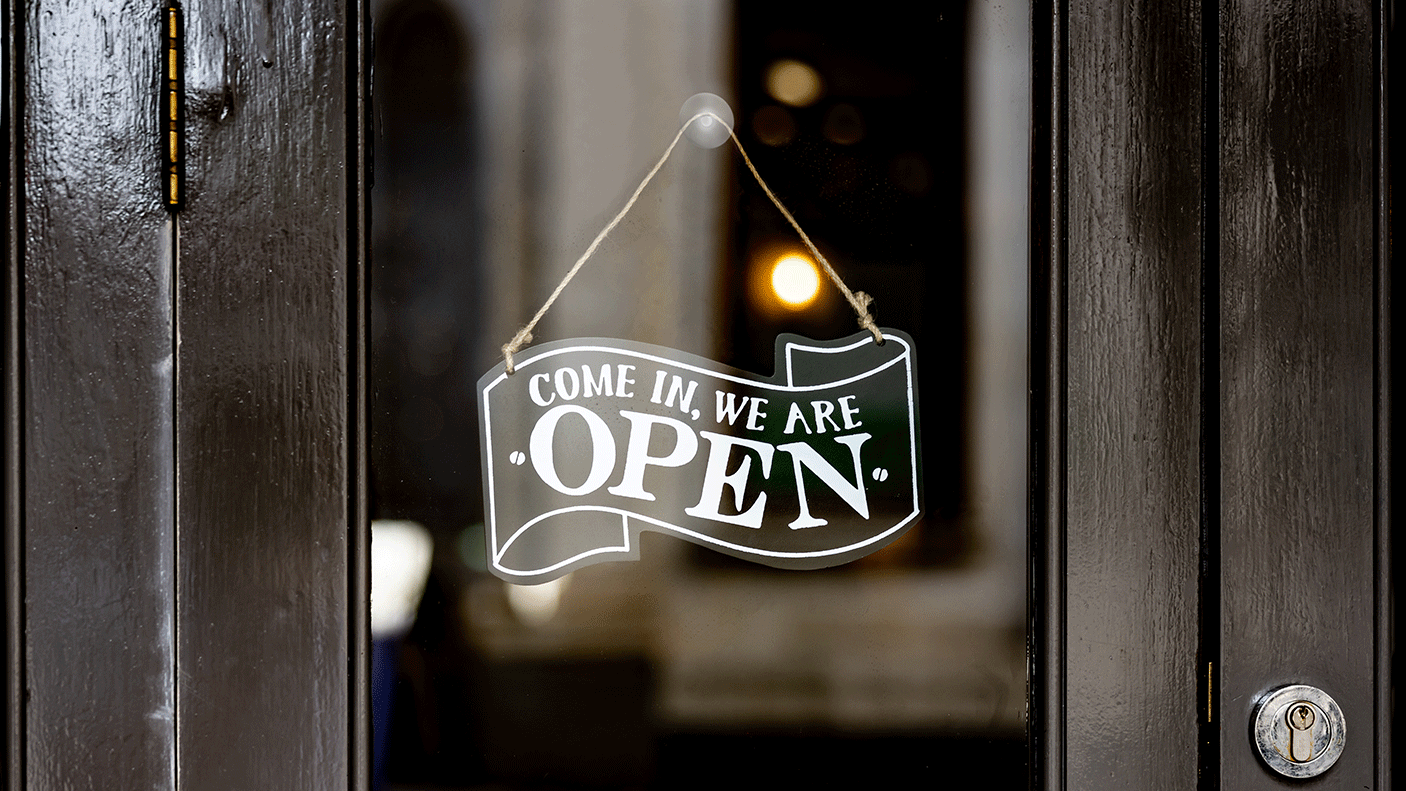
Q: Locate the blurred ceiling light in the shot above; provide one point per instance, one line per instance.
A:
(773, 125)
(795, 280)
(910, 172)
(844, 125)
(792, 82)
(535, 605)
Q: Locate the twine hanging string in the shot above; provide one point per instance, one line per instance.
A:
(858, 300)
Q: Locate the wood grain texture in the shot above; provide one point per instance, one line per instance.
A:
(98, 467)
(266, 279)
(358, 607)
(12, 428)
(1388, 741)
(1132, 104)
(1298, 356)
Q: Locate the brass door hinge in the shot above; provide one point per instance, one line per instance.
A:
(172, 103)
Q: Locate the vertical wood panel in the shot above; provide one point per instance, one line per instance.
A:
(1386, 750)
(1132, 99)
(1298, 353)
(11, 430)
(98, 467)
(264, 443)
(358, 608)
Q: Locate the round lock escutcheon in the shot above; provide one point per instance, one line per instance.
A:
(1298, 731)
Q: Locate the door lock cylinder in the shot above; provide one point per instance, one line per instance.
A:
(1298, 731)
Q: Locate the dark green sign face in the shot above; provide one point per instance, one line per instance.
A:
(591, 441)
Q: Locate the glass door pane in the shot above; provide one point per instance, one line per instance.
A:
(507, 135)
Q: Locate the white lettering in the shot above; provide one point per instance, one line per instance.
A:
(755, 414)
(848, 412)
(803, 455)
(561, 385)
(592, 386)
(535, 393)
(658, 388)
(734, 408)
(685, 399)
(544, 462)
(794, 415)
(823, 411)
(716, 477)
(637, 456)
(621, 380)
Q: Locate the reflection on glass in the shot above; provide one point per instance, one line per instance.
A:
(508, 132)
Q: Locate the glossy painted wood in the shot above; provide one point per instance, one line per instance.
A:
(360, 126)
(269, 289)
(1289, 176)
(1131, 101)
(98, 469)
(271, 556)
(11, 405)
(1298, 361)
(1389, 618)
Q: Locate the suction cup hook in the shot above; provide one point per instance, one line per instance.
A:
(706, 132)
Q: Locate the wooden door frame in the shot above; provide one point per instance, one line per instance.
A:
(1102, 85)
(250, 607)
(12, 541)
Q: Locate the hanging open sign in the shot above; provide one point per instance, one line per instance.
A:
(591, 441)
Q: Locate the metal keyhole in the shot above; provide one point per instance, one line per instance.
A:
(1301, 719)
(1298, 731)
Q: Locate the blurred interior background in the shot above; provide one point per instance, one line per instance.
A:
(508, 132)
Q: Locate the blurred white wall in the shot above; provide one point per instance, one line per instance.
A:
(577, 101)
(998, 221)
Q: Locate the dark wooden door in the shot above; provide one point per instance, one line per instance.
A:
(1213, 391)
(185, 577)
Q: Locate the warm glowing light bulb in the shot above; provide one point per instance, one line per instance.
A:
(795, 281)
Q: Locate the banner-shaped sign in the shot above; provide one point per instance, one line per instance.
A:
(591, 441)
